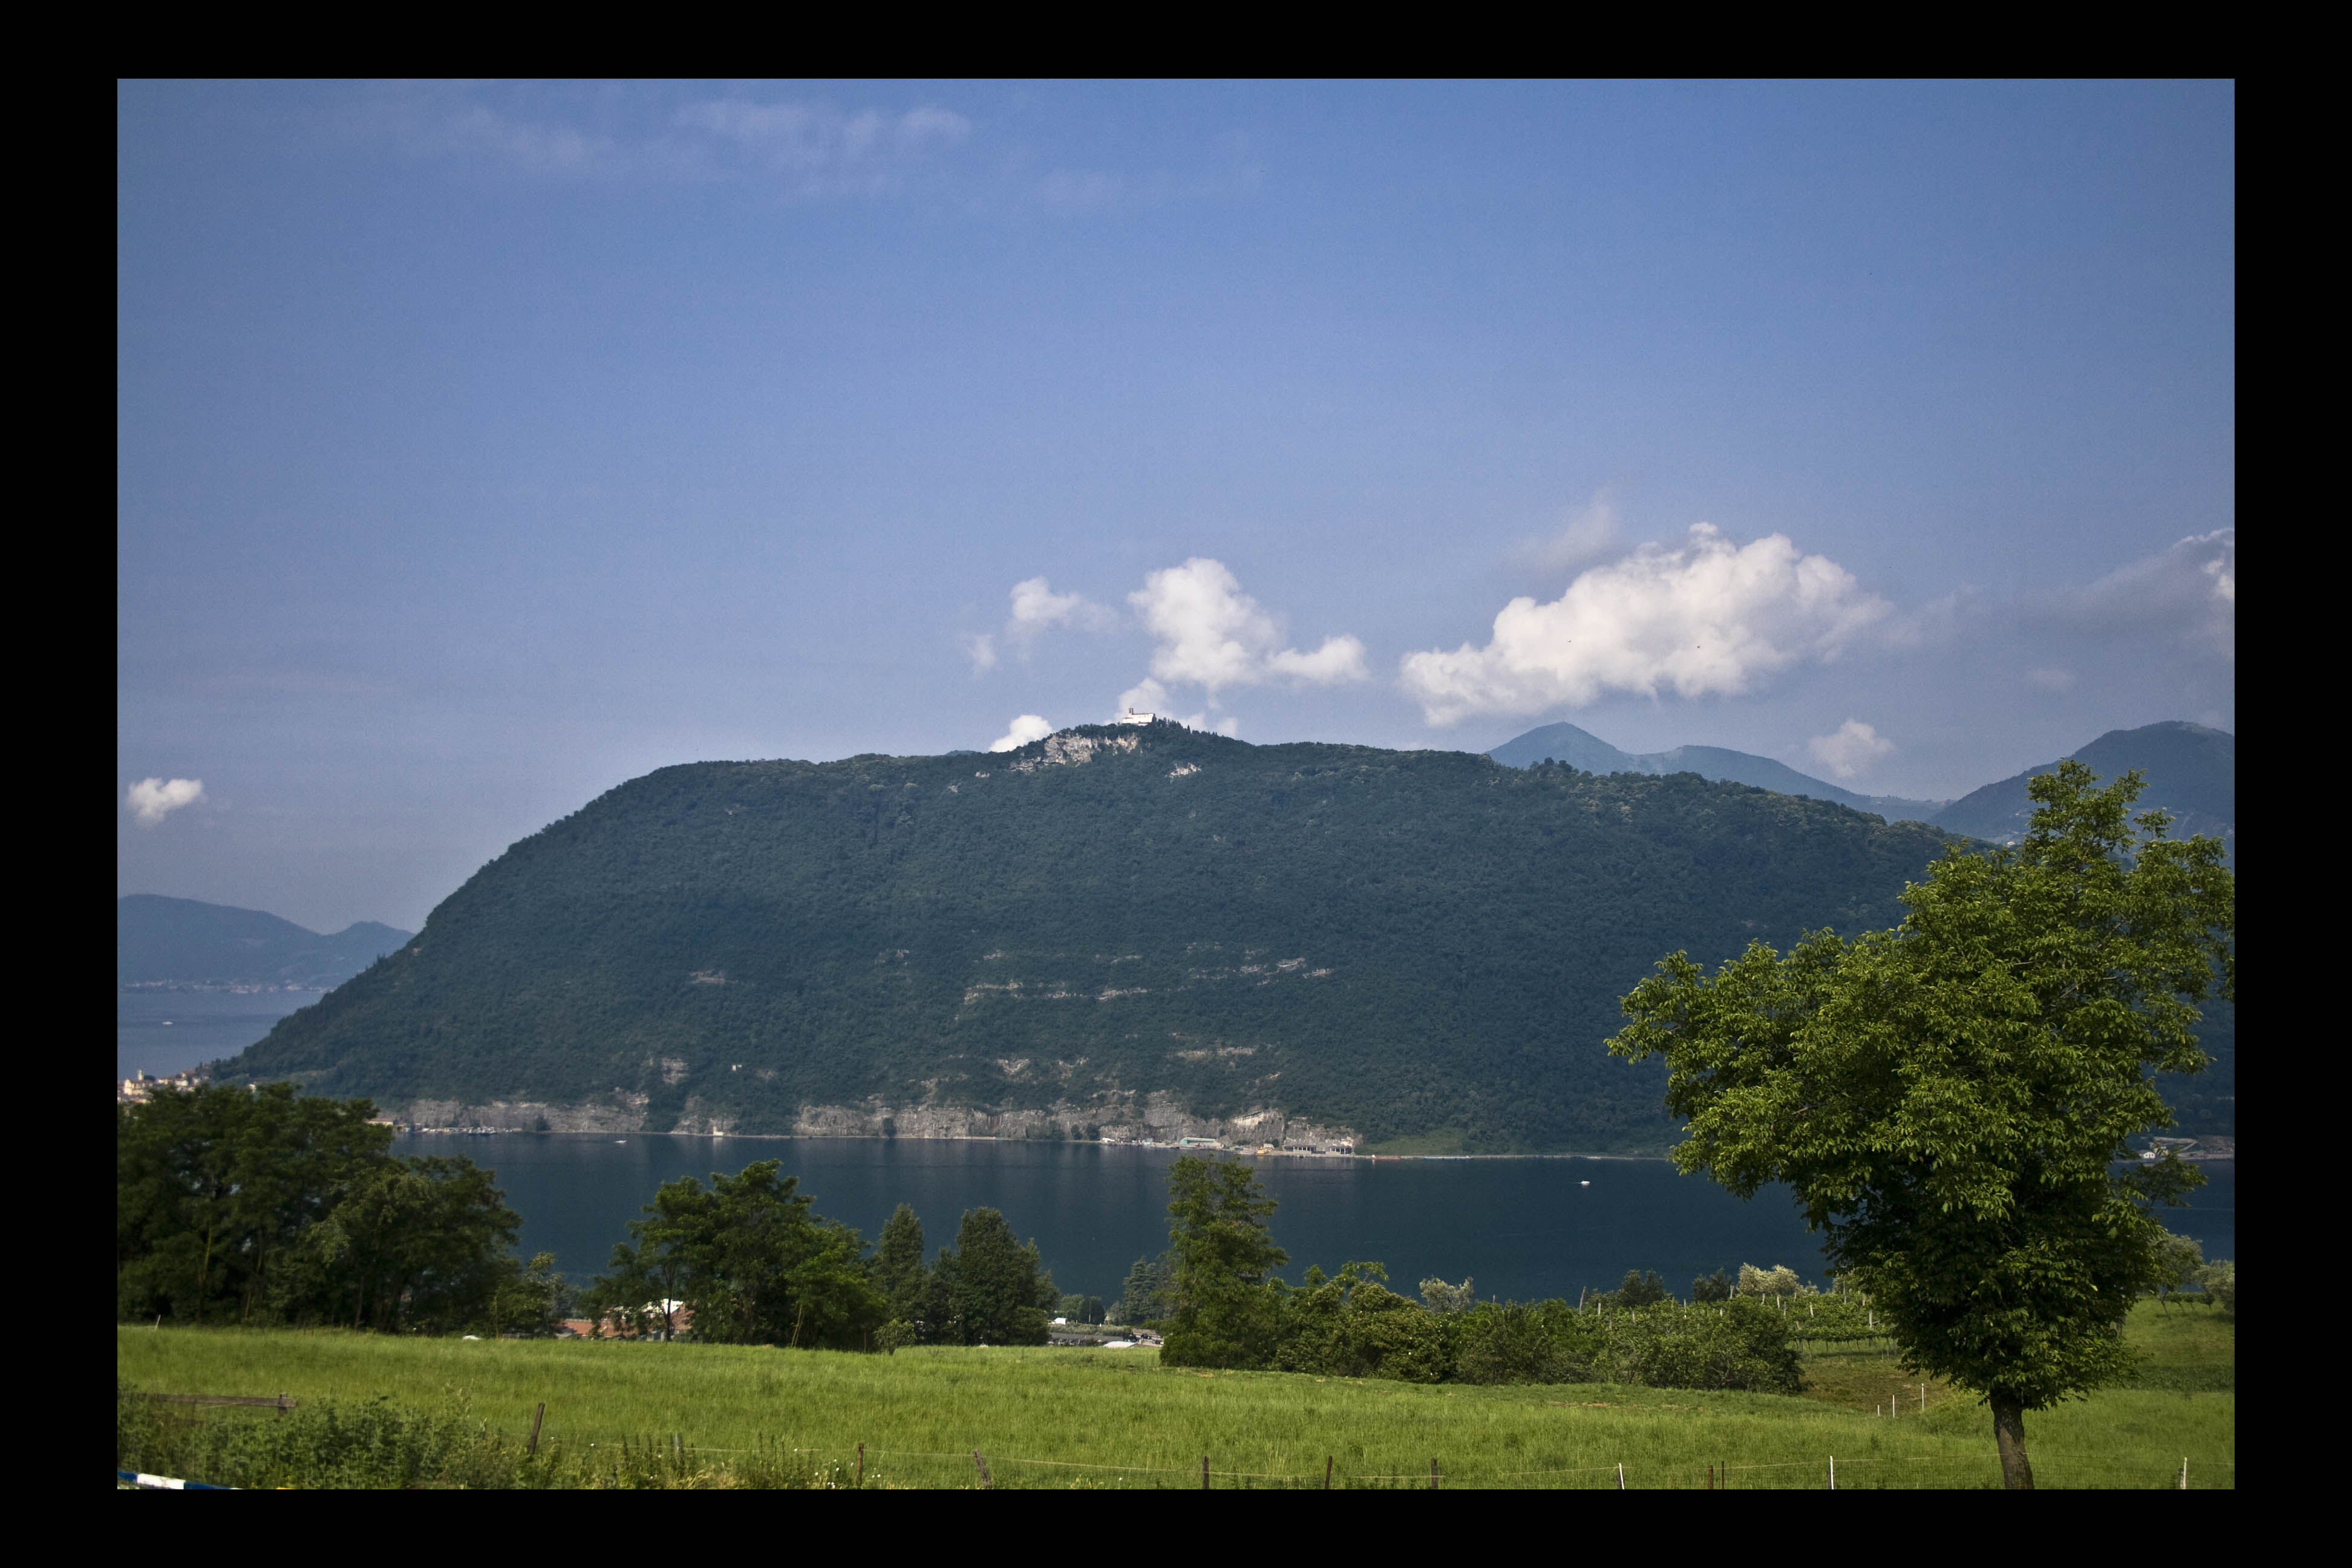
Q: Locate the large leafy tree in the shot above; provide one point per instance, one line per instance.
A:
(752, 1260)
(1950, 1099)
(265, 1205)
(422, 1244)
(1222, 1255)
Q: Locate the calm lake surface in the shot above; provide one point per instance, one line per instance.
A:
(1523, 1228)
(164, 1032)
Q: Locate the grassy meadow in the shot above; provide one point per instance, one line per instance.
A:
(721, 1414)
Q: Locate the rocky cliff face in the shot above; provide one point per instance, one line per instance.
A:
(1154, 1118)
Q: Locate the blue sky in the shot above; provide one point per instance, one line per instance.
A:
(481, 447)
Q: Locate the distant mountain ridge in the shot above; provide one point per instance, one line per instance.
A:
(183, 942)
(1588, 753)
(2193, 773)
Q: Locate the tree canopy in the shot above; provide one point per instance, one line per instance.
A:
(1950, 1099)
(261, 1206)
(749, 1261)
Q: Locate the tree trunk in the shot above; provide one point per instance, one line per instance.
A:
(2009, 1436)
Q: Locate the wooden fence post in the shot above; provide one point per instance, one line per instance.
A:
(861, 1464)
(1832, 1472)
(530, 1449)
(1326, 1472)
(1621, 1478)
(1432, 1475)
(986, 1485)
(1205, 1472)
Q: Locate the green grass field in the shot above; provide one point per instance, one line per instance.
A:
(1080, 1417)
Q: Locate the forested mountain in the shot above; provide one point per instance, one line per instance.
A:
(1422, 947)
(180, 942)
(1583, 749)
(2193, 773)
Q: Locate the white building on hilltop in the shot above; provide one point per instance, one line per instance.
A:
(1132, 716)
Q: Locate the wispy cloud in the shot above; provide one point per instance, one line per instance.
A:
(793, 148)
(149, 801)
(2189, 590)
(812, 150)
(1854, 747)
(1585, 534)
(1036, 609)
(1707, 619)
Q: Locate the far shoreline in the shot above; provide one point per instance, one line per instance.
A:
(412, 1131)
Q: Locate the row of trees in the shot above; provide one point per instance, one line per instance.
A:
(261, 1206)
(257, 1205)
(747, 1260)
(1223, 1306)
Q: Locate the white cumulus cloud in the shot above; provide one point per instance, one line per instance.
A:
(1028, 727)
(1853, 749)
(1710, 618)
(153, 800)
(1212, 634)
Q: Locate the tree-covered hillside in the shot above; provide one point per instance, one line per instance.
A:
(1413, 944)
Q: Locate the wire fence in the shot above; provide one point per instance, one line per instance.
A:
(858, 1465)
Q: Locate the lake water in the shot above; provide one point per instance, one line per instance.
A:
(164, 1032)
(1519, 1228)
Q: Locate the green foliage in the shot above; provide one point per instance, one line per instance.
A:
(1081, 1309)
(368, 1444)
(1223, 1256)
(2178, 1264)
(1501, 1343)
(2219, 1280)
(1145, 1297)
(751, 1263)
(1641, 1289)
(990, 1288)
(898, 1268)
(1949, 1099)
(530, 1300)
(1358, 937)
(261, 1206)
(1778, 1281)
(1715, 1287)
(1440, 1297)
(1353, 1325)
(1229, 1313)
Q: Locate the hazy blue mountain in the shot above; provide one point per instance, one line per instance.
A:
(1587, 752)
(159, 940)
(2193, 773)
